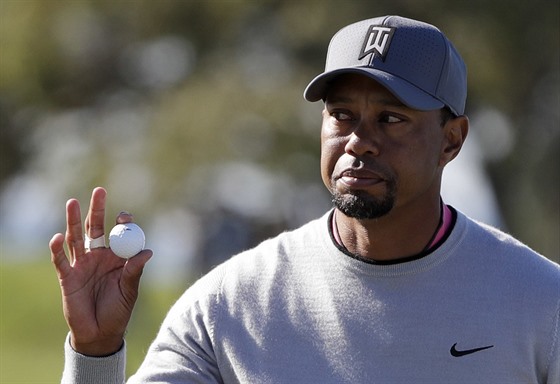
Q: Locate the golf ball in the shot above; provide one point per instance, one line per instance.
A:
(126, 240)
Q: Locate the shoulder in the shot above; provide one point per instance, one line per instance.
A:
(491, 245)
(268, 258)
(247, 279)
(276, 256)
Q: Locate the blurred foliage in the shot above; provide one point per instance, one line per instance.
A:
(239, 96)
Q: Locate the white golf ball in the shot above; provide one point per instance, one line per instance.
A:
(126, 240)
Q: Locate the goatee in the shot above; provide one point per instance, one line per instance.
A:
(362, 206)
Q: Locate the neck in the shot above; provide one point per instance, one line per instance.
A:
(400, 234)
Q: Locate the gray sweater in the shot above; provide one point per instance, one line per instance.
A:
(481, 308)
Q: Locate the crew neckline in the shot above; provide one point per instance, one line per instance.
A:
(448, 218)
(409, 265)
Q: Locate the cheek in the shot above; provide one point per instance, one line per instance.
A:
(421, 153)
(327, 164)
(330, 153)
(417, 166)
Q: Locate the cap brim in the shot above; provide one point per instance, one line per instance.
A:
(407, 93)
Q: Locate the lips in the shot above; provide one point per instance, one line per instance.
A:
(360, 178)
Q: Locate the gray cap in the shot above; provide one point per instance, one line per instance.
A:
(412, 59)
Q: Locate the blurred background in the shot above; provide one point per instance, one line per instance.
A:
(191, 114)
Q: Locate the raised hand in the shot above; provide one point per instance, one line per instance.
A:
(99, 289)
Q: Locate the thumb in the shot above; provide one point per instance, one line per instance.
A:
(132, 271)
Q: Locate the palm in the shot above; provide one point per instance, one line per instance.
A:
(94, 303)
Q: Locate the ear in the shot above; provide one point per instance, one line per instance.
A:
(455, 132)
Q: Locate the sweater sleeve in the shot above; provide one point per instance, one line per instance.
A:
(81, 369)
(183, 351)
(554, 357)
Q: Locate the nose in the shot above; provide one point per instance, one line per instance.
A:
(363, 141)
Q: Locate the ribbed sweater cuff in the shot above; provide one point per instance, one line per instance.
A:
(81, 369)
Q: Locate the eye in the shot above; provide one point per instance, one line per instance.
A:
(341, 116)
(390, 118)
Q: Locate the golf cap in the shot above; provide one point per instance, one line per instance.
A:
(412, 59)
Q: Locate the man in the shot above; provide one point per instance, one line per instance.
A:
(391, 286)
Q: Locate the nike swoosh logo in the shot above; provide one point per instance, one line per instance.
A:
(454, 352)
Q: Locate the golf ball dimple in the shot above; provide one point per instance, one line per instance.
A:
(126, 240)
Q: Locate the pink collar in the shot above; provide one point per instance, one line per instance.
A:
(443, 228)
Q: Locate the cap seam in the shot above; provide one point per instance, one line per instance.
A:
(443, 66)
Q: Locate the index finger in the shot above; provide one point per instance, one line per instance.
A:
(74, 234)
(95, 219)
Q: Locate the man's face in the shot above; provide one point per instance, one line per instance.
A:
(377, 154)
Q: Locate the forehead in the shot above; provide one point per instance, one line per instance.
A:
(352, 87)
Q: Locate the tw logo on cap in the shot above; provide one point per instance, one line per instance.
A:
(377, 41)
